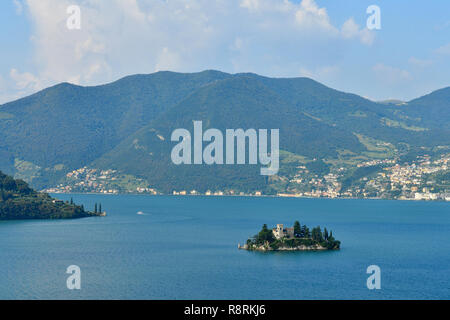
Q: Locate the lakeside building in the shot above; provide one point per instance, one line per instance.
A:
(280, 232)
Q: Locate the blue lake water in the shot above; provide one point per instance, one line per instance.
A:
(186, 248)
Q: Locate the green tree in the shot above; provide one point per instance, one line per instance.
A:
(95, 208)
(265, 235)
(297, 229)
(305, 232)
(100, 208)
(317, 234)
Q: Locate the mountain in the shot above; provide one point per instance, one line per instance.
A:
(431, 110)
(238, 102)
(126, 125)
(67, 126)
(356, 114)
(18, 201)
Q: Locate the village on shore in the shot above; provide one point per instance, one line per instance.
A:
(424, 179)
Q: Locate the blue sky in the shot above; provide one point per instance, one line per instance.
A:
(326, 40)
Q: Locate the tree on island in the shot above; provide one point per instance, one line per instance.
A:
(265, 235)
(100, 208)
(302, 239)
(297, 229)
(330, 237)
(305, 232)
(316, 234)
(95, 208)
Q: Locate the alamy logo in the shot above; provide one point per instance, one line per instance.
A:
(213, 153)
(74, 20)
(374, 20)
(74, 280)
(374, 280)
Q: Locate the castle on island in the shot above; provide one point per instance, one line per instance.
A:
(280, 232)
(296, 238)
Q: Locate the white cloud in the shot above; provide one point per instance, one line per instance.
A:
(167, 60)
(87, 46)
(310, 15)
(390, 74)
(351, 30)
(6, 94)
(322, 74)
(122, 37)
(19, 6)
(444, 50)
(25, 80)
(2, 85)
(442, 26)
(420, 62)
(250, 4)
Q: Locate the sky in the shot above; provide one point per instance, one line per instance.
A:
(326, 40)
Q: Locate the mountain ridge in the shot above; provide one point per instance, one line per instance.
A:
(66, 126)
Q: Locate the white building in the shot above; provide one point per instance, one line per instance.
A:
(280, 232)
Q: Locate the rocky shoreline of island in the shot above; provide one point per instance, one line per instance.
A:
(316, 247)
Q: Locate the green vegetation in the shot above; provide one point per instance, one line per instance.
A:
(358, 114)
(398, 124)
(297, 238)
(126, 126)
(98, 208)
(430, 110)
(318, 167)
(19, 201)
(26, 170)
(354, 176)
(73, 125)
(5, 116)
(377, 149)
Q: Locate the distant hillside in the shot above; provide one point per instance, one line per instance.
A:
(68, 126)
(355, 114)
(19, 201)
(241, 102)
(126, 125)
(433, 110)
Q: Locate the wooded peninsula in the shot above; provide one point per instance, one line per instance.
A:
(18, 201)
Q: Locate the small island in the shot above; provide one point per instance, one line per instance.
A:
(297, 238)
(18, 202)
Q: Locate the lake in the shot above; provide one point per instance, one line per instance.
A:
(186, 248)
